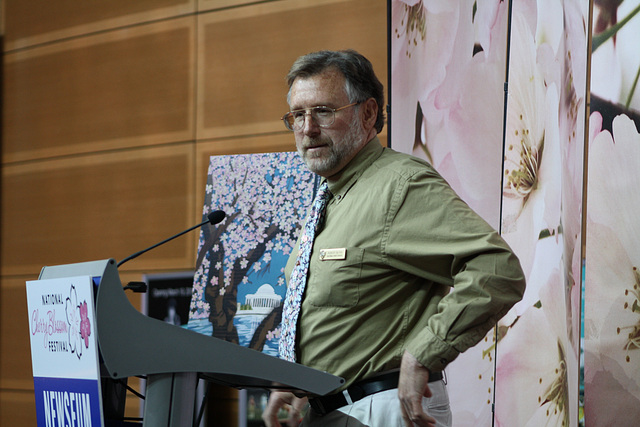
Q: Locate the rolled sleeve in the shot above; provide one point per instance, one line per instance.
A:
(435, 235)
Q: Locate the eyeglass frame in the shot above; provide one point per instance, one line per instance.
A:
(308, 112)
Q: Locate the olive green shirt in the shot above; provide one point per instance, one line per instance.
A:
(401, 239)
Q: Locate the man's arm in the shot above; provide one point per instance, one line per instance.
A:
(434, 235)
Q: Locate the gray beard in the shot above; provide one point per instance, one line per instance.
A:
(349, 145)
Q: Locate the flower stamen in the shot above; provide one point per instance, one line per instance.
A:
(633, 337)
(413, 24)
(557, 393)
(522, 179)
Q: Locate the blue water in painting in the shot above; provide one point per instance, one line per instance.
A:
(246, 326)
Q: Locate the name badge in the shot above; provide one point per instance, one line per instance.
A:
(333, 254)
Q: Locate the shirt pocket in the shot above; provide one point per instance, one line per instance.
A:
(333, 282)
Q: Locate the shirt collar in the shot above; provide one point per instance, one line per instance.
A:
(354, 169)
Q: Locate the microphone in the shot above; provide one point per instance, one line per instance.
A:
(213, 218)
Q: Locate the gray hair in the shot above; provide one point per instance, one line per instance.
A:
(361, 82)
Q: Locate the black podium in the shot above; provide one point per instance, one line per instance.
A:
(173, 358)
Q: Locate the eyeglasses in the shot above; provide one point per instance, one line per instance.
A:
(321, 115)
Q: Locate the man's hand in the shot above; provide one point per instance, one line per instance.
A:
(276, 401)
(412, 386)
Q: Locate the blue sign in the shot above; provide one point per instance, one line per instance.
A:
(67, 402)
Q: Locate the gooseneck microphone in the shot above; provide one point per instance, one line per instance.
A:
(213, 218)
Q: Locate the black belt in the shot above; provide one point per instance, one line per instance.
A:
(324, 404)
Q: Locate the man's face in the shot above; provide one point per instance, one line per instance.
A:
(326, 150)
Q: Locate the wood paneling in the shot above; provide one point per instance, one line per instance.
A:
(15, 350)
(245, 53)
(28, 23)
(98, 206)
(123, 88)
(17, 408)
(208, 5)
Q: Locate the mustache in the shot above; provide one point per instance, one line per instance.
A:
(313, 142)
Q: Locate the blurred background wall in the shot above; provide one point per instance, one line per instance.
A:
(110, 111)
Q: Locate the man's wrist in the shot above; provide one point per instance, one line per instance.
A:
(433, 353)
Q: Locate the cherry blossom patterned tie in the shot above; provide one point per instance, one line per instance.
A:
(298, 279)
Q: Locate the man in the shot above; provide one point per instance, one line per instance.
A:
(376, 309)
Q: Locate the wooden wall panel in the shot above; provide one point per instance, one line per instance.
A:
(98, 206)
(245, 53)
(17, 408)
(208, 5)
(28, 24)
(215, 5)
(15, 350)
(113, 90)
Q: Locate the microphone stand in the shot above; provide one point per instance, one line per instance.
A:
(213, 218)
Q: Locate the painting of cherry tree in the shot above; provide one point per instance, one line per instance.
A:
(492, 93)
(612, 279)
(239, 283)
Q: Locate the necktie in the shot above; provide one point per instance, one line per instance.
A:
(298, 279)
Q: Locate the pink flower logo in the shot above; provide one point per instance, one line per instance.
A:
(85, 324)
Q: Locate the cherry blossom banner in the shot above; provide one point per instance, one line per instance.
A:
(612, 280)
(493, 94)
(239, 282)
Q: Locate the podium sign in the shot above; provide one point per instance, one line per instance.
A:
(64, 351)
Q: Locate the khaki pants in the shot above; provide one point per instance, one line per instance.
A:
(383, 410)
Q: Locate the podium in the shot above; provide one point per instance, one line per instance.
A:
(173, 358)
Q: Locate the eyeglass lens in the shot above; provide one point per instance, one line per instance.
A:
(322, 116)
